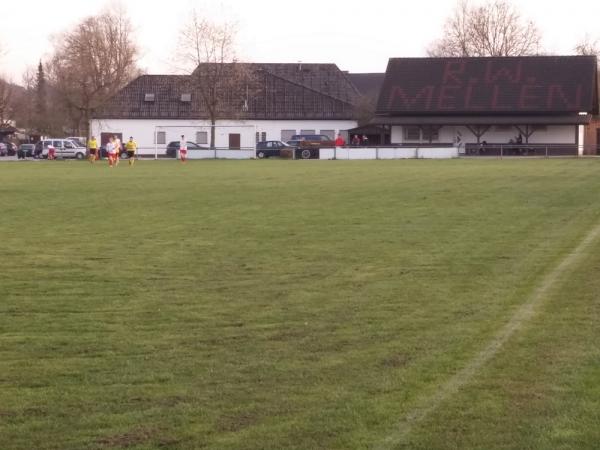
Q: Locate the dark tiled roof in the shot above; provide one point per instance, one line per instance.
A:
(368, 84)
(509, 85)
(277, 91)
(130, 102)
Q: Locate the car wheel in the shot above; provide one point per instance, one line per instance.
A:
(79, 155)
(305, 154)
(261, 155)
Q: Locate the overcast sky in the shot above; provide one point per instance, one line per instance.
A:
(357, 35)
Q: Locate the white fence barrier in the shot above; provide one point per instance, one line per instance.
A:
(220, 154)
(342, 153)
(389, 153)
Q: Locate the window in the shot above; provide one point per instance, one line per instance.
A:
(69, 144)
(161, 137)
(263, 136)
(307, 131)
(202, 137)
(431, 134)
(149, 97)
(329, 133)
(412, 133)
(286, 135)
(186, 98)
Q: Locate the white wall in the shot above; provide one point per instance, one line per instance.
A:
(554, 134)
(389, 153)
(143, 130)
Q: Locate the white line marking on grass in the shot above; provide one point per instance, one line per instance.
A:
(465, 375)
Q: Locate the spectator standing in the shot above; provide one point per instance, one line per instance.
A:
(365, 140)
(355, 140)
(340, 141)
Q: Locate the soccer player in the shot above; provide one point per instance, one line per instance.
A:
(117, 144)
(110, 150)
(182, 149)
(131, 147)
(51, 152)
(93, 148)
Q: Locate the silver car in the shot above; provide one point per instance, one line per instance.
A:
(65, 148)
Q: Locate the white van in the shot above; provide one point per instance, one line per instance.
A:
(65, 148)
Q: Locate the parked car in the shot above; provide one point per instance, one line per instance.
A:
(65, 148)
(8, 149)
(311, 141)
(79, 140)
(26, 150)
(12, 149)
(173, 148)
(266, 149)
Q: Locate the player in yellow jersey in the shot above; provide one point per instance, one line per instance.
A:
(131, 148)
(93, 149)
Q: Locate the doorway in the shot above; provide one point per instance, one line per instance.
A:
(235, 141)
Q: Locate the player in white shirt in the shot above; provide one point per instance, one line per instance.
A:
(183, 149)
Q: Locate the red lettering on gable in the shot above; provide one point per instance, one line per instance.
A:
(529, 99)
(512, 74)
(400, 98)
(452, 71)
(496, 99)
(469, 105)
(557, 97)
(447, 97)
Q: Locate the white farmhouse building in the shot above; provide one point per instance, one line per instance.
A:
(280, 100)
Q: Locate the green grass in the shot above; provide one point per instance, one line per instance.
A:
(295, 305)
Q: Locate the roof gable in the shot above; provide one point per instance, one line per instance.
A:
(507, 85)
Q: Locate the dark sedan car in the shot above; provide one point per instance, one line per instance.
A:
(266, 149)
(26, 151)
(173, 147)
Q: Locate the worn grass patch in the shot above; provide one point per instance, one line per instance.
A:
(293, 304)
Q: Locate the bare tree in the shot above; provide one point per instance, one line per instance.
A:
(5, 97)
(588, 46)
(207, 51)
(93, 62)
(493, 29)
(6, 94)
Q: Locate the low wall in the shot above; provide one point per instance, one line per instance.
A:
(389, 153)
(345, 153)
(221, 154)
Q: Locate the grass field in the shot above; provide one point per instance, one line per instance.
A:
(298, 305)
